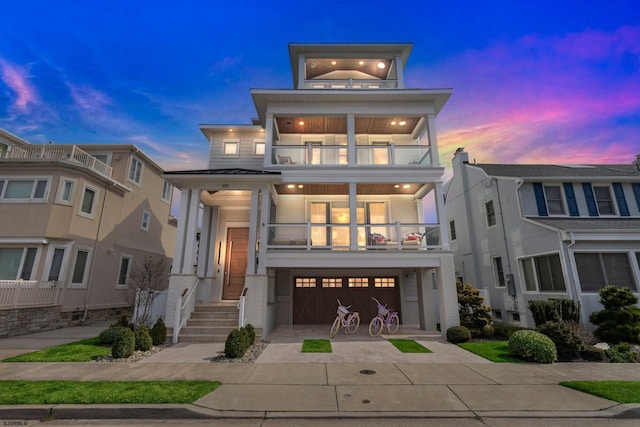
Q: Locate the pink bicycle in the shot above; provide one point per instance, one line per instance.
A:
(349, 320)
(385, 317)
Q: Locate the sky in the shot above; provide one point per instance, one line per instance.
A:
(533, 81)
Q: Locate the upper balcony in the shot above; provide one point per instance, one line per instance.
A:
(60, 152)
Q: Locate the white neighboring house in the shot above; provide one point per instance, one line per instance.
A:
(528, 232)
(321, 198)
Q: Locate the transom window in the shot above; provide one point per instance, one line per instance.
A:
(553, 197)
(23, 189)
(135, 170)
(543, 273)
(604, 200)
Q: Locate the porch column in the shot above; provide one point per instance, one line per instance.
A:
(442, 218)
(426, 303)
(399, 72)
(447, 294)
(205, 269)
(433, 140)
(190, 232)
(265, 210)
(268, 141)
(351, 139)
(253, 231)
(353, 216)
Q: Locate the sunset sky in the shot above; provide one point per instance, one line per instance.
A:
(533, 81)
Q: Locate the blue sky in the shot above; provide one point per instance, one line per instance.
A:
(533, 81)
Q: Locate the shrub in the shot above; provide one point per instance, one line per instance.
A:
(565, 337)
(622, 353)
(620, 319)
(504, 331)
(144, 342)
(473, 315)
(251, 332)
(533, 347)
(159, 332)
(488, 331)
(124, 344)
(554, 310)
(458, 334)
(593, 354)
(122, 322)
(234, 346)
(108, 336)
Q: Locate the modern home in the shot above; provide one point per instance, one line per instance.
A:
(323, 197)
(528, 232)
(76, 219)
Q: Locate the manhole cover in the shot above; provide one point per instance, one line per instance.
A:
(367, 372)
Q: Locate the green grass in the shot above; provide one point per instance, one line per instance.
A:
(619, 391)
(79, 351)
(495, 351)
(102, 392)
(316, 346)
(409, 346)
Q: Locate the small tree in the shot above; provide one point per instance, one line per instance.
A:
(473, 315)
(620, 319)
(145, 281)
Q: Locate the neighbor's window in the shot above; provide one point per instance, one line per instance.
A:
(89, 198)
(491, 213)
(80, 268)
(543, 273)
(231, 148)
(498, 272)
(21, 189)
(123, 273)
(452, 229)
(135, 170)
(56, 265)
(146, 217)
(553, 196)
(258, 147)
(604, 200)
(66, 191)
(17, 263)
(596, 270)
(166, 191)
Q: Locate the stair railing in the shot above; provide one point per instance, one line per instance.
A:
(241, 300)
(184, 307)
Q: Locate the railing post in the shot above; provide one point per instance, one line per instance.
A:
(15, 297)
(176, 321)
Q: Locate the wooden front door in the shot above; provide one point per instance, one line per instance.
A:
(235, 262)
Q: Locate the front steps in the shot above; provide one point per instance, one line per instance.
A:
(210, 322)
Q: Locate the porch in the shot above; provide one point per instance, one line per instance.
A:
(28, 293)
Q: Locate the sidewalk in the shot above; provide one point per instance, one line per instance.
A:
(414, 388)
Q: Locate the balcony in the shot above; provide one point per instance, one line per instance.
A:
(366, 155)
(351, 84)
(64, 152)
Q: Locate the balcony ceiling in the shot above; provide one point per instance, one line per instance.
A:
(338, 125)
(343, 189)
(317, 68)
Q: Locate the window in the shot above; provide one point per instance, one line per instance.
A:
(385, 282)
(23, 189)
(56, 265)
(596, 270)
(17, 263)
(604, 202)
(258, 147)
(231, 148)
(553, 197)
(88, 204)
(498, 272)
(123, 273)
(331, 282)
(358, 282)
(452, 229)
(135, 170)
(103, 157)
(543, 273)
(146, 217)
(491, 213)
(166, 191)
(497, 314)
(305, 282)
(80, 270)
(66, 191)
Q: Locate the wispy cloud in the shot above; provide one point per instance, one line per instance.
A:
(16, 78)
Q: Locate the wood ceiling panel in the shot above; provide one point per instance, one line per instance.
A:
(319, 125)
(343, 189)
(316, 68)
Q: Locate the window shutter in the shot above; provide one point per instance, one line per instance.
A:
(622, 202)
(539, 192)
(636, 192)
(571, 199)
(591, 200)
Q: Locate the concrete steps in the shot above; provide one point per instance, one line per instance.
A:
(210, 322)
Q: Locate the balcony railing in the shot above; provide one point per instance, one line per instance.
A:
(331, 155)
(67, 152)
(398, 236)
(21, 293)
(351, 84)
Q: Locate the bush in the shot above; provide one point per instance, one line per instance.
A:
(532, 346)
(251, 332)
(122, 322)
(488, 331)
(620, 319)
(504, 331)
(554, 310)
(108, 336)
(565, 337)
(473, 315)
(458, 334)
(593, 354)
(234, 346)
(143, 339)
(124, 344)
(622, 353)
(159, 332)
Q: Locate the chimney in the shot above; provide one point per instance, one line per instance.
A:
(460, 156)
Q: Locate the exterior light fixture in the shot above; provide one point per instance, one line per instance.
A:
(361, 62)
(230, 130)
(393, 123)
(402, 123)
(291, 186)
(301, 123)
(381, 65)
(333, 62)
(396, 186)
(300, 186)
(405, 186)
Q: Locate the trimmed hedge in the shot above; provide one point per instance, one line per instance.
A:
(533, 347)
(124, 344)
(159, 332)
(565, 337)
(143, 339)
(458, 334)
(108, 336)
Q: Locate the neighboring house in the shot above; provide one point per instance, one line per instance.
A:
(525, 232)
(75, 221)
(320, 199)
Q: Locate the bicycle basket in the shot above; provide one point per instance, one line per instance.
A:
(382, 310)
(342, 310)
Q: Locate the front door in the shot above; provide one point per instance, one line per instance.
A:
(235, 262)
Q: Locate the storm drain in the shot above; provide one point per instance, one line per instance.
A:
(367, 372)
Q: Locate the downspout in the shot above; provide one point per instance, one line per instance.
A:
(506, 244)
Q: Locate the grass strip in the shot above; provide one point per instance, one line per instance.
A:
(316, 346)
(102, 392)
(409, 346)
(495, 351)
(79, 351)
(618, 391)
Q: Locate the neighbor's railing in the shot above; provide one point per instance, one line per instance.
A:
(184, 307)
(22, 293)
(67, 152)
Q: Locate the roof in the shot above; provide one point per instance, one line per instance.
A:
(588, 224)
(556, 171)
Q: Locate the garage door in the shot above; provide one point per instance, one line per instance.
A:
(314, 298)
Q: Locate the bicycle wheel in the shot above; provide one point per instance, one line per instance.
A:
(335, 327)
(375, 326)
(394, 324)
(354, 322)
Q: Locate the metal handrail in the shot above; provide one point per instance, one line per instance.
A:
(241, 306)
(184, 304)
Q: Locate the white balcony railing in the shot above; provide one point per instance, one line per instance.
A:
(332, 155)
(400, 236)
(22, 293)
(351, 84)
(66, 152)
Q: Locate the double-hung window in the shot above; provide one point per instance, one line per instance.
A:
(490, 213)
(17, 263)
(88, 202)
(166, 191)
(81, 268)
(553, 197)
(543, 273)
(135, 170)
(498, 272)
(604, 200)
(23, 189)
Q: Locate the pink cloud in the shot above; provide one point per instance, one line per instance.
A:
(17, 79)
(89, 101)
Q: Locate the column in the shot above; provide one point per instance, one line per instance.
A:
(353, 216)
(268, 141)
(265, 212)
(190, 233)
(399, 71)
(253, 231)
(351, 139)
(442, 218)
(426, 305)
(447, 294)
(185, 198)
(433, 140)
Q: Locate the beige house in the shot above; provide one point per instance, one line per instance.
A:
(321, 198)
(75, 220)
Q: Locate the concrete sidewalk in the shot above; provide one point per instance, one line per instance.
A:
(341, 389)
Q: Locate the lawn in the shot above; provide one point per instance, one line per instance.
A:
(495, 351)
(102, 392)
(79, 351)
(316, 346)
(409, 346)
(619, 391)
